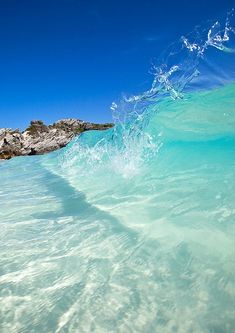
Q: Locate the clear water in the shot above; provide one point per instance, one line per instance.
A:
(128, 230)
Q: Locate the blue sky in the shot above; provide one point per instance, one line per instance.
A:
(72, 58)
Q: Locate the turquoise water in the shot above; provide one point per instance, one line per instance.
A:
(128, 230)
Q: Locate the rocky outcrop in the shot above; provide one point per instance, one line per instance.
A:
(39, 138)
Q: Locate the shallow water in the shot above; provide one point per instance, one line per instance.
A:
(94, 239)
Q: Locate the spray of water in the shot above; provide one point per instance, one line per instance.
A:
(129, 144)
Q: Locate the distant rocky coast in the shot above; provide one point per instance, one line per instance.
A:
(39, 138)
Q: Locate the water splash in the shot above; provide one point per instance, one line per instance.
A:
(130, 144)
(178, 68)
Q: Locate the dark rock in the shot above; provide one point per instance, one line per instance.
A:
(39, 138)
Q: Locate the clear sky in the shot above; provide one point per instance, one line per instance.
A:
(72, 58)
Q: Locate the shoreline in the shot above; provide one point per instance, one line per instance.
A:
(39, 139)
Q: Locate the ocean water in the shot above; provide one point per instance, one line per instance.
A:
(131, 229)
